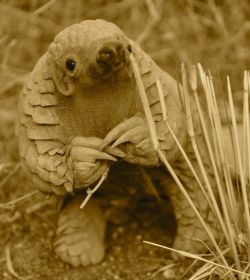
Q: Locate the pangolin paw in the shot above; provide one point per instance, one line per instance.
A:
(132, 136)
(88, 161)
(80, 234)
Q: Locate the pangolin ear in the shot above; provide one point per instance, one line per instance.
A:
(63, 82)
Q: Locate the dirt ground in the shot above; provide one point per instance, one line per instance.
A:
(28, 234)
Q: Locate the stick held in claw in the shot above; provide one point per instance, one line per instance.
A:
(91, 192)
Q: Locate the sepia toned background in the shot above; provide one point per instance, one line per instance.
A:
(215, 33)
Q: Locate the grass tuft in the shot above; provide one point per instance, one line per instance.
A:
(228, 215)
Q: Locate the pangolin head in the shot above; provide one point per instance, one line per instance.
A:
(89, 53)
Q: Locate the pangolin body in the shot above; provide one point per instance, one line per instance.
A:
(80, 94)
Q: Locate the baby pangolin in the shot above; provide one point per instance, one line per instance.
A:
(79, 111)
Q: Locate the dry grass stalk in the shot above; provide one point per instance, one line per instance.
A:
(228, 199)
(163, 105)
(153, 20)
(9, 265)
(216, 126)
(239, 161)
(143, 95)
(197, 257)
(228, 196)
(12, 203)
(227, 226)
(246, 133)
(37, 206)
(205, 271)
(219, 136)
(91, 192)
(209, 117)
(162, 157)
(246, 121)
(196, 150)
(44, 8)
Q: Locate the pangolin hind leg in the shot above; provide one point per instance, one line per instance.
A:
(191, 235)
(80, 233)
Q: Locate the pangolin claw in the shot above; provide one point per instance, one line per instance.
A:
(95, 143)
(121, 129)
(89, 155)
(134, 135)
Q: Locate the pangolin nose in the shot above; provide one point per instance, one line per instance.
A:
(111, 54)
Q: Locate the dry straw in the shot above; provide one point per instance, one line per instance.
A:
(232, 260)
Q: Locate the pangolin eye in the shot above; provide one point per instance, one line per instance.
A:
(129, 48)
(70, 64)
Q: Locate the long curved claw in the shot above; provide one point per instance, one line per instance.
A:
(89, 155)
(134, 135)
(115, 151)
(95, 143)
(120, 129)
(87, 142)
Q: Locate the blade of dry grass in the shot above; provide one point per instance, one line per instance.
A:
(206, 267)
(197, 257)
(162, 100)
(10, 267)
(151, 123)
(162, 157)
(91, 192)
(226, 227)
(221, 164)
(11, 203)
(44, 8)
(218, 140)
(153, 20)
(164, 113)
(205, 274)
(239, 161)
(247, 125)
(219, 135)
(246, 132)
(203, 79)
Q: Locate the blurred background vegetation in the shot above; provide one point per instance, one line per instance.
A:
(213, 32)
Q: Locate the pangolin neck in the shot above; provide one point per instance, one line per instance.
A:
(94, 111)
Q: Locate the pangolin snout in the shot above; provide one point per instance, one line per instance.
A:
(111, 55)
(110, 59)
